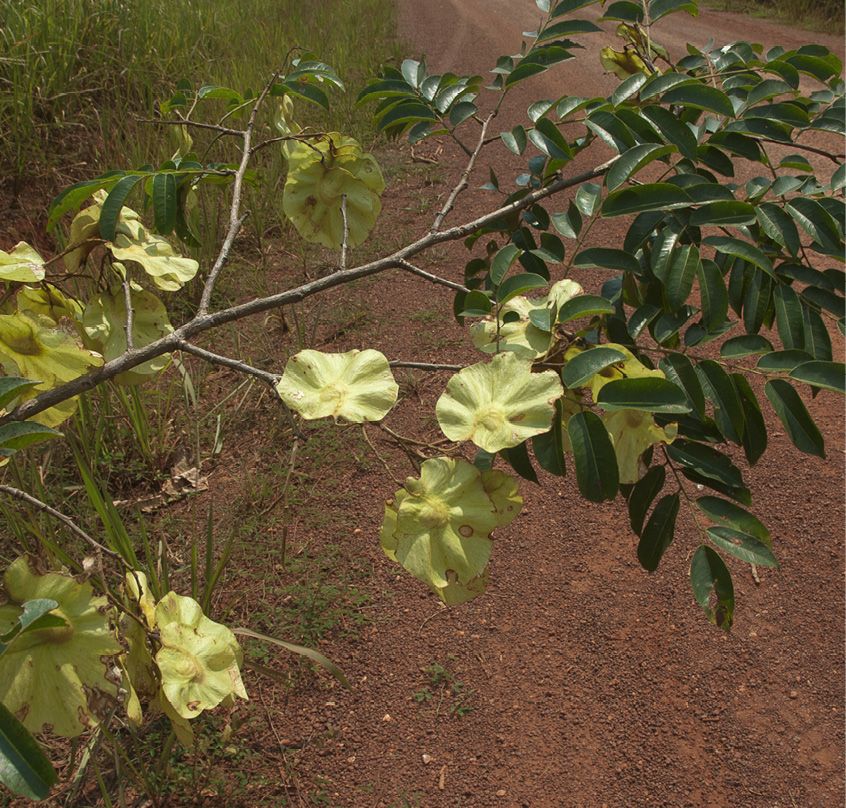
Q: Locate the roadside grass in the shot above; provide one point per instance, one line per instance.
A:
(812, 15)
(75, 75)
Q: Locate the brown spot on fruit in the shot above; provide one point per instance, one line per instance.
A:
(466, 531)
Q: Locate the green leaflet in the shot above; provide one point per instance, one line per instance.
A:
(713, 587)
(594, 457)
(658, 533)
(727, 513)
(24, 768)
(797, 421)
(828, 375)
(742, 545)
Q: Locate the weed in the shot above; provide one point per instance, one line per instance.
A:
(426, 316)
(442, 682)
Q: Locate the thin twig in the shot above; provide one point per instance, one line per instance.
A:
(430, 277)
(835, 158)
(399, 363)
(270, 378)
(379, 456)
(223, 130)
(443, 610)
(465, 178)
(204, 321)
(130, 312)
(346, 238)
(216, 359)
(16, 493)
(236, 218)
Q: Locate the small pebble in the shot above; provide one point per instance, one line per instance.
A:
(794, 694)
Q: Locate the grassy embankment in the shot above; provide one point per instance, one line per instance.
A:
(813, 15)
(75, 74)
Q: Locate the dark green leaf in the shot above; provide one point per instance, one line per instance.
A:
(502, 262)
(484, 460)
(586, 365)
(624, 10)
(475, 304)
(797, 421)
(736, 143)
(712, 586)
(110, 213)
(515, 140)
(768, 88)
(76, 194)
(660, 8)
(745, 345)
(631, 161)
(668, 325)
(518, 458)
(673, 130)
(778, 226)
(627, 88)
(461, 112)
(817, 339)
(308, 92)
(728, 412)
(588, 198)
(828, 375)
(727, 513)
(820, 69)
(681, 271)
(13, 386)
(584, 306)
(549, 446)
(595, 459)
(518, 285)
(679, 369)
(712, 293)
(718, 214)
(31, 614)
(568, 6)
(742, 249)
(757, 304)
(790, 319)
(18, 435)
(706, 462)
(743, 546)
(783, 361)
(825, 299)
(611, 130)
(815, 220)
(652, 196)
(658, 532)
(551, 249)
(24, 768)
(700, 96)
(164, 202)
(643, 494)
(607, 258)
(715, 159)
(754, 427)
(651, 394)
